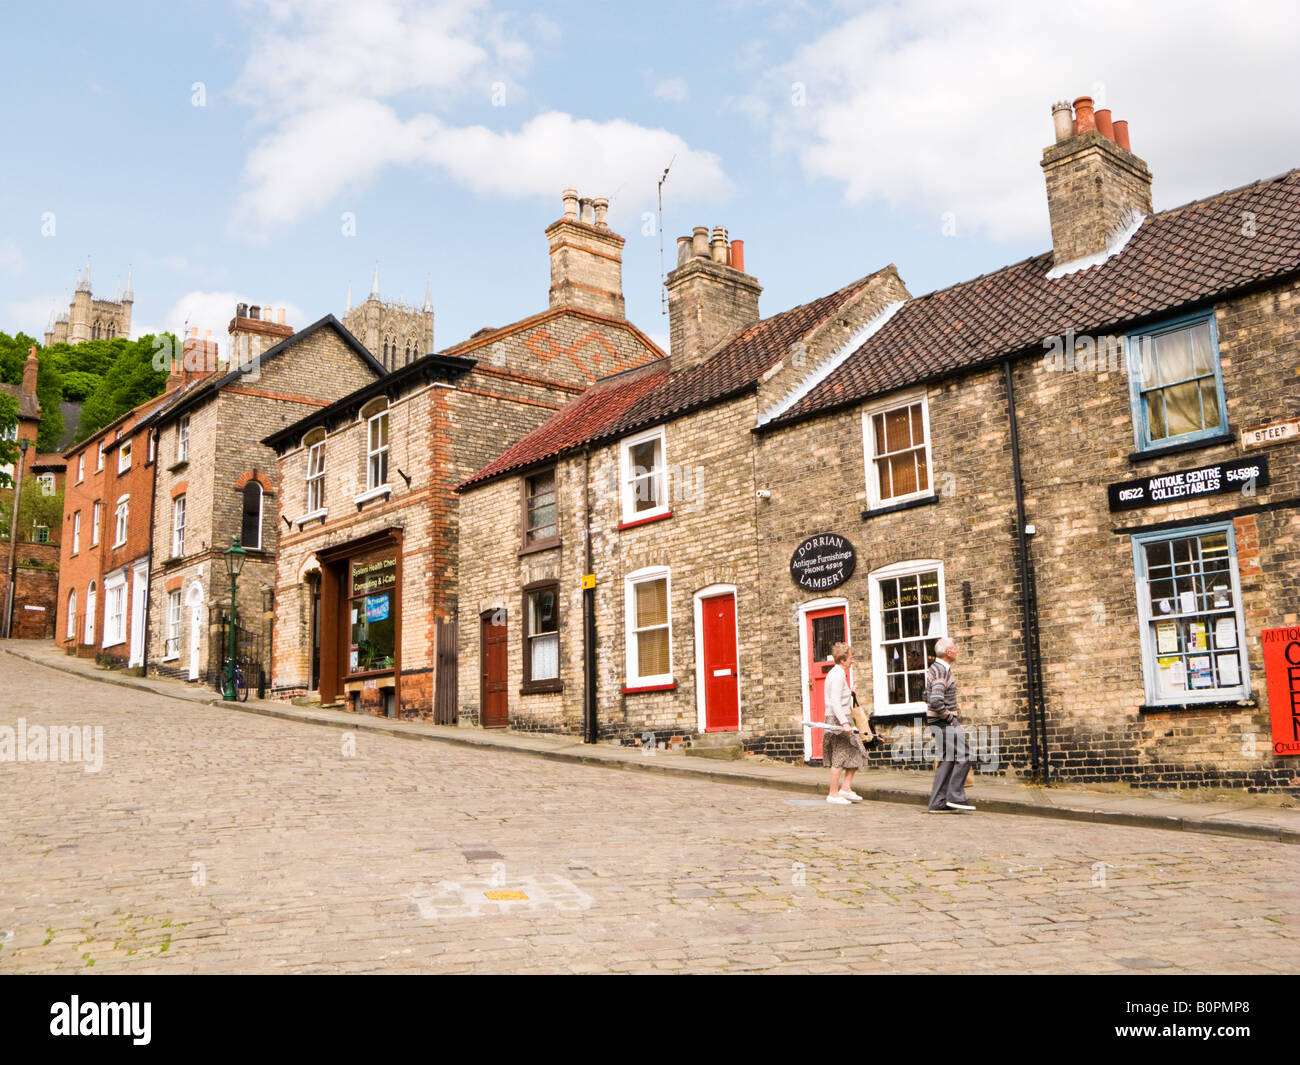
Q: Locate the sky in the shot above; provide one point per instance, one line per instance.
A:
(274, 151)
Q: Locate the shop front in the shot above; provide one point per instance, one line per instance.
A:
(360, 610)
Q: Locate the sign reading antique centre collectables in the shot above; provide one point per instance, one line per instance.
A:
(1240, 475)
(822, 562)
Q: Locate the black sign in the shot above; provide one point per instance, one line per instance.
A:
(1240, 475)
(822, 562)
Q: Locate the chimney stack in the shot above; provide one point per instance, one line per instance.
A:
(198, 359)
(253, 330)
(586, 257)
(710, 297)
(31, 371)
(1095, 184)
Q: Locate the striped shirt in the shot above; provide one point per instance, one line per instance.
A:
(940, 692)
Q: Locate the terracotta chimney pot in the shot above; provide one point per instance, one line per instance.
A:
(1104, 126)
(1121, 134)
(1084, 120)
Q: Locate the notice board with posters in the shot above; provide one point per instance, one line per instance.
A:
(1282, 672)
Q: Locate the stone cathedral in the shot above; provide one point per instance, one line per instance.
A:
(394, 333)
(90, 319)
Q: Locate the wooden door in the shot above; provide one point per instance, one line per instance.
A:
(721, 680)
(823, 629)
(492, 657)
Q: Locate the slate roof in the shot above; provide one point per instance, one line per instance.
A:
(28, 407)
(1178, 258)
(649, 395)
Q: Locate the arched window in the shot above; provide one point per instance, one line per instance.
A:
(385, 353)
(415, 349)
(89, 635)
(408, 351)
(250, 530)
(72, 614)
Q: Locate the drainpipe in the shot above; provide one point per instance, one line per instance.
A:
(1028, 603)
(13, 540)
(148, 584)
(591, 731)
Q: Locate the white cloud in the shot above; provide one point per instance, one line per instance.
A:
(348, 91)
(32, 316)
(212, 311)
(947, 107)
(674, 90)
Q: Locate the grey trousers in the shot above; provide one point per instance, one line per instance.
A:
(955, 760)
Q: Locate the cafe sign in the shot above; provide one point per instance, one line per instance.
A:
(1282, 671)
(822, 562)
(373, 574)
(1240, 475)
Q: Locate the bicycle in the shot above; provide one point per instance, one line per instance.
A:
(240, 681)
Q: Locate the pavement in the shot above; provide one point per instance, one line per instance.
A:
(1227, 813)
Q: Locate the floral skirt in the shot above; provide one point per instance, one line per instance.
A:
(843, 750)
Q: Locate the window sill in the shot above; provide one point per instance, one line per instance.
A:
(1177, 449)
(313, 515)
(644, 521)
(542, 545)
(541, 687)
(909, 710)
(1208, 704)
(638, 688)
(893, 508)
(116, 643)
(170, 658)
(382, 492)
(179, 464)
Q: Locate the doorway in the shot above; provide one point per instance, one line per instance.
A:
(717, 667)
(822, 625)
(493, 665)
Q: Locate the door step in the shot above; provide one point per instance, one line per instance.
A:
(723, 745)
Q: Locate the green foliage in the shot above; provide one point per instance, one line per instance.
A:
(35, 508)
(8, 422)
(13, 353)
(77, 384)
(131, 380)
(49, 394)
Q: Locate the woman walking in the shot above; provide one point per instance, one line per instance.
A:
(842, 750)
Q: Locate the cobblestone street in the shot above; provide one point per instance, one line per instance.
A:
(217, 841)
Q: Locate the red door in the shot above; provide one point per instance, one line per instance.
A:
(493, 658)
(721, 679)
(824, 629)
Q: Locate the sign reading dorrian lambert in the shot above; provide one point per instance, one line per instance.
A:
(822, 562)
(1240, 475)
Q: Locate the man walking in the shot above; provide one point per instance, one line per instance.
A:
(949, 791)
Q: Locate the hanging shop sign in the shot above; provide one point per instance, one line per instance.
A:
(1282, 671)
(1240, 475)
(823, 562)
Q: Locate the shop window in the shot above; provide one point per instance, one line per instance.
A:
(172, 640)
(897, 442)
(540, 528)
(250, 526)
(1189, 606)
(1176, 383)
(178, 526)
(649, 628)
(644, 476)
(373, 614)
(907, 617)
(122, 515)
(542, 637)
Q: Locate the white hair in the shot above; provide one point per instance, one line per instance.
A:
(944, 644)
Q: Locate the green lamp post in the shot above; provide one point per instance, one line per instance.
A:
(235, 556)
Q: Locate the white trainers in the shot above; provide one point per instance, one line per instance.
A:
(960, 806)
(852, 796)
(838, 800)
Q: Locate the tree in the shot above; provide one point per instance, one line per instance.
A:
(8, 428)
(35, 509)
(132, 379)
(49, 394)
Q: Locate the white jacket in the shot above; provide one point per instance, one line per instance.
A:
(838, 697)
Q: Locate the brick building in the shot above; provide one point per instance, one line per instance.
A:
(104, 567)
(1081, 466)
(367, 585)
(35, 553)
(215, 481)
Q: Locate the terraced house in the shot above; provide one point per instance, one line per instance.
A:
(1081, 466)
(367, 578)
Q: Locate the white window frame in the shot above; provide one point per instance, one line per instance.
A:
(99, 459)
(183, 439)
(178, 526)
(372, 453)
(124, 456)
(94, 524)
(149, 446)
(72, 614)
(1146, 620)
(121, 520)
(114, 623)
(315, 479)
(81, 467)
(879, 669)
(627, 477)
(76, 532)
(874, 500)
(88, 631)
(633, 679)
(172, 636)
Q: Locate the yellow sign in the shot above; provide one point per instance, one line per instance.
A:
(506, 896)
(588, 581)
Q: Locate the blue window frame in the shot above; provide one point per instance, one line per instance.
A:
(1189, 608)
(1175, 383)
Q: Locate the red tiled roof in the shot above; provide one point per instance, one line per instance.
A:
(616, 406)
(1178, 258)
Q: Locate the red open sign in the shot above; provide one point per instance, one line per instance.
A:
(1282, 669)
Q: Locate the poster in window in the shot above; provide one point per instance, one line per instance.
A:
(1166, 637)
(1171, 672)
(1199, 636)
(1225, 632)
(1187, 602)
(1199, 673)
(1229, 671)
(377, 608)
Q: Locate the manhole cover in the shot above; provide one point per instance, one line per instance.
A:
(482, 856)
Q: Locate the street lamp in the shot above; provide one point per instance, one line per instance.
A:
(235, 556)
